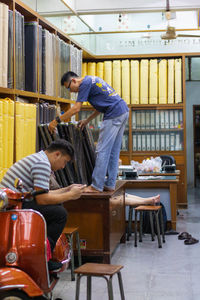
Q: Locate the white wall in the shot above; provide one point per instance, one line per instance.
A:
(192, 98)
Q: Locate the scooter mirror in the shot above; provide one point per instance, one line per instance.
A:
(18, 184)
(3, 200)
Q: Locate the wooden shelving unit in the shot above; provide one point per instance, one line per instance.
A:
(180, 156)
(31, 15)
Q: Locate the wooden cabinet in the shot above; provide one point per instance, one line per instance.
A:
(101, 221)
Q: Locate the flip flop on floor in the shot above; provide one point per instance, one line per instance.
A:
(184, 235)
(191, 241)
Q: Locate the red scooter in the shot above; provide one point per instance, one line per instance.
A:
(24, 271)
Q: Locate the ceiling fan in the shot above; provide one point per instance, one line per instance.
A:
(170, 33)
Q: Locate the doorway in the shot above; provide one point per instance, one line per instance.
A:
(196, 126)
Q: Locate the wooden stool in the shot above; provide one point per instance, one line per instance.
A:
(99, 270)
(69, 232)
(151, 209)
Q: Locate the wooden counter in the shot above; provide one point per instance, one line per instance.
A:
(101, 221)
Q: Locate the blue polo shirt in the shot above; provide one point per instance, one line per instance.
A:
(102, 97)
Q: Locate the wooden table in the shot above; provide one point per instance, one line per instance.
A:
(101, 221)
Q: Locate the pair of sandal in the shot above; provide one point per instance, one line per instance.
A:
(188, 239)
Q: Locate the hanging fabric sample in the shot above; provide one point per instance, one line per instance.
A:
(135, 82)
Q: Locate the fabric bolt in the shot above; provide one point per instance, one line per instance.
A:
(84, 69)
(91, 69)
(135, 82)
(108, 72)
(10, 49)
(4, 43)
(31, 36)
(126, 80)
(100, 70)
(1, 45)
(163, 81)
(153, 81)
(116, 79)
(178, 80)
(144, 81)
(170, 99)
(108, 150)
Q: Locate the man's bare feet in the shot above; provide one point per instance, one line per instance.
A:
(90, 189)
(156, 199)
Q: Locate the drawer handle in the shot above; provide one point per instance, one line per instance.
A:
(114, 213)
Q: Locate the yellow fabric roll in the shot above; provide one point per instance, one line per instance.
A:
(84, 69)
(100, 70)
(117, 76)
(33, 129)
(163, 81)
(135, 82)
(170, 96)
(91, 69)
(126, 80)
(153, 81)
(178, 80)
(25, 129)
(1, 139)
(19, 130)
(144, 81)
(5, 133)
(10, 133)
(108, 72)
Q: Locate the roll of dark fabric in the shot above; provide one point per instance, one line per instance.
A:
(23, 54)
(31, 36)
(43, 61)
(10, 49)
(40, 58)
(17, 15)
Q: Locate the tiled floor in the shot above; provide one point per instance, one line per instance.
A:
(150, 273)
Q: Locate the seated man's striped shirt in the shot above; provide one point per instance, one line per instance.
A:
(34, 171)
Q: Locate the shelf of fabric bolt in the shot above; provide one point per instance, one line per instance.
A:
(101, 221)
(163, 183)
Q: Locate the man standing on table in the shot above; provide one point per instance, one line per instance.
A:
(105, 100)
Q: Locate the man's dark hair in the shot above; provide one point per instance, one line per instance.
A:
(67, 76)
(63, 146)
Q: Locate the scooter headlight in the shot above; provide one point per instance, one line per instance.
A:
(11, 257)
(3, 200)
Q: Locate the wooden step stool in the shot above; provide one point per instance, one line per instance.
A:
(69, 232)
(99, 270)
(151, 209)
